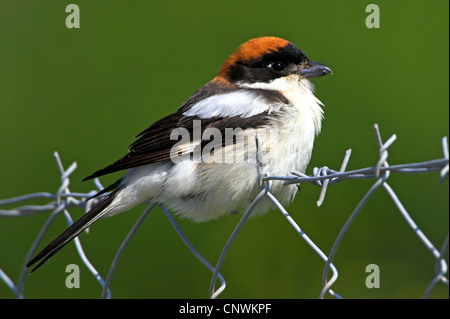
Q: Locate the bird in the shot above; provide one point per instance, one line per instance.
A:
(258, 117)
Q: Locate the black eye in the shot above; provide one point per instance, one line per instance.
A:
(278, 66)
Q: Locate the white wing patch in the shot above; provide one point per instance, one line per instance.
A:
(240, 103)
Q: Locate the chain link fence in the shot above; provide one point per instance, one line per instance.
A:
(64, 199)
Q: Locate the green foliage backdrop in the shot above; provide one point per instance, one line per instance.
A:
(86, 92)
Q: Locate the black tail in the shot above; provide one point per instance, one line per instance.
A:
(70, 233)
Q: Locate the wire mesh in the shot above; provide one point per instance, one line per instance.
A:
(63, 200)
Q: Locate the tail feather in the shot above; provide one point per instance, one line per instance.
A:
(70, 233)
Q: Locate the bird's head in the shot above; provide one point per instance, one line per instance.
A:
(266, 59)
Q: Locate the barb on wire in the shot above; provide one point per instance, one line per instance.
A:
(265, 192)
(63, 200)
(324, 176)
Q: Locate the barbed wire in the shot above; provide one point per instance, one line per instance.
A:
(63, 200)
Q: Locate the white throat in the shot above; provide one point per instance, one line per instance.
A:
(300, 92)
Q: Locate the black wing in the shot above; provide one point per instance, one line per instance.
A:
(154, 144)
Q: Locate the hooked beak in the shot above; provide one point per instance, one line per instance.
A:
(314, 70)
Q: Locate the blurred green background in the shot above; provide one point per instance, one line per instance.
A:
(87, 92)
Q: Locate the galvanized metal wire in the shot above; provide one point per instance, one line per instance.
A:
(63, 200)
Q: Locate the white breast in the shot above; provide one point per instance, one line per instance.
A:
(299, 124)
